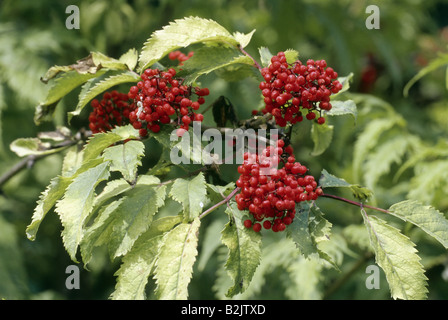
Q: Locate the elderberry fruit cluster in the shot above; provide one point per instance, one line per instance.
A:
(158, 96)
(270, 193)
(113, 110)
(292, 91)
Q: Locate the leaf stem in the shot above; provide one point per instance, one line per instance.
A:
(217, 205)
(359, 204)
(257, 65)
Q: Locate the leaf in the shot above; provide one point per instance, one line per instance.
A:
(345, 81)
(223, 112)
(98, 88)
(396, 255)
(340, 108)
(122, 222)
(48, 198)
(208, 59)
(328, 180)
(75, 206)
(130, 58)
(125, 158)
(244, 251)
(380, 161)
(427, 218)
(243, 39)
(322, 135)
(430, 176)
(139, 263)
(291, 55)
(61, 87)
(265, 56)
(192, 194)
(369, 138)
(100, 141)
(438, 62)
(182, 33)
(31, 146)
(308, 229)
(176, 257)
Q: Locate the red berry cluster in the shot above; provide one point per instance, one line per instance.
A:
(180, 56)
(269, 193)
(113, 110)
(159, 95)
(290, 89)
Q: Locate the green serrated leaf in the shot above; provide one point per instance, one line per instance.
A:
(48, 198)
(192, 194)
(182, 33)
(328, 180)
(63, 85)
(208, 59)
(427, 218)
(244, 251)
(368, 139)
(243, 39)
(322, 135)
(340, 108)
(380, 161)
(76, 205)
(102, 61)
(265, 56)
(139, 263)
(396, 255)
(125, 158)
(130, 58)
(308, 230)
(438, 62)
(101, 86)
(31, 146)
(291, 55)
(100, 141)
(72, 161)
(176, 257)
(345, 81)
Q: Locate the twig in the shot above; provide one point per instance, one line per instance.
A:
(248, 55)
(217, 205)
(359, 204)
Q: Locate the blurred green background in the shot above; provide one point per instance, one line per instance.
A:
(33, 37)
